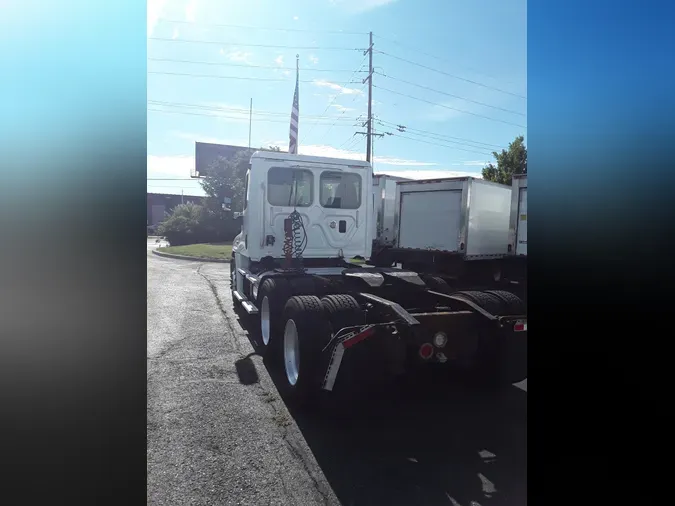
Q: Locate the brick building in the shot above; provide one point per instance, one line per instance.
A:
(161, 204)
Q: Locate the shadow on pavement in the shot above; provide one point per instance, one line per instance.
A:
(420, 441)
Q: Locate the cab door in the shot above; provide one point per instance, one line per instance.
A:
(343, 204)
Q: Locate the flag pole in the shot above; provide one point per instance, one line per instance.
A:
(295, 111)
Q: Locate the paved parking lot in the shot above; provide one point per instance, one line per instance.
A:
(219, 433)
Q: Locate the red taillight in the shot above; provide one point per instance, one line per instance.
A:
(359, 337)
(426, 351)
(520, 326)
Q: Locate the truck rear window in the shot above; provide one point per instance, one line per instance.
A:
(289, 187)
(340, 190)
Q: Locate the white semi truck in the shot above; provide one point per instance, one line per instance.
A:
(303, 220)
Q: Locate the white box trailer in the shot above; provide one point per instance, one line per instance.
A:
(384, 195)
(518, 223)
(465, 216)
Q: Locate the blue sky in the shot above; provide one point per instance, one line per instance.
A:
(477, 48)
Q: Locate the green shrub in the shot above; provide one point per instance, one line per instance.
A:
(194, 224)
(184, 225)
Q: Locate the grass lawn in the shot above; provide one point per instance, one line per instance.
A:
(220, 251)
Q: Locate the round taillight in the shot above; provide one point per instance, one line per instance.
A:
(426, 351)
(440, 339)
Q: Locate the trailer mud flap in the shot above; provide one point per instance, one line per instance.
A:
(338, 352)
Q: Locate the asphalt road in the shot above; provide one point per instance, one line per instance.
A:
(219, 433)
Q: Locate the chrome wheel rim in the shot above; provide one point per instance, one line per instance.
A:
(265, 320)
(291, 352)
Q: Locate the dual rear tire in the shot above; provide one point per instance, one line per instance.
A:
(309, 323)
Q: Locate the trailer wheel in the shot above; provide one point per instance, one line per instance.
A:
(342, 310)
(306, 332)
(491, 303)
(272, 296)
(512, 303)
(437, 284)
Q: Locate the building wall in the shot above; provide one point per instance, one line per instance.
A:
(159, 205)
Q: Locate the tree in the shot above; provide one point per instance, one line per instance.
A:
(225, 178)
(509, 163)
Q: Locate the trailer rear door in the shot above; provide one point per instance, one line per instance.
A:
(521, 234)
(430, 220)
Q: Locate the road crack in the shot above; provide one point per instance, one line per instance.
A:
(228, 320)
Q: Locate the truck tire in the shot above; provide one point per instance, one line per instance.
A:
(437, 284)
(306, 332)
(342, 311)
(512, 303)
(502, 358)
(272, 296)
(491, 303)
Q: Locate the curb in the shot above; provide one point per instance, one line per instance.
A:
(194, 259)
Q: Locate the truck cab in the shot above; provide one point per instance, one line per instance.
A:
(333, 198)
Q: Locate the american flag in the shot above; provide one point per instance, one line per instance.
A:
(293, 142)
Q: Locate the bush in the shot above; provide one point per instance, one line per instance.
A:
(183, 226)
(194, 224)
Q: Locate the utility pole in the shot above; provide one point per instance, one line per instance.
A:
(370, 99)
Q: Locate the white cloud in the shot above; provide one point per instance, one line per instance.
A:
(182, 166)
(475, 163)
(295, 18)
(237, 56)
(341, 108)
(194, 137)
(332, 152)
(286, 73)
(279, 60)
(175, 34)
(313, 59)
(358, 6)
(336, 87)
(190, 9)
(155, 8)
(170, 166)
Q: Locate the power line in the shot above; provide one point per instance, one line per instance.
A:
(233, 117)
(212, 76)
(239, 44)
(443, 137)
(335, 98)
(247, 65)
(437, 144)
(227, 25)
(511, 111)
(451, 108)
(339, 117)
(449, 144)
(446, 60)
(239, 111)
(452, 75)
